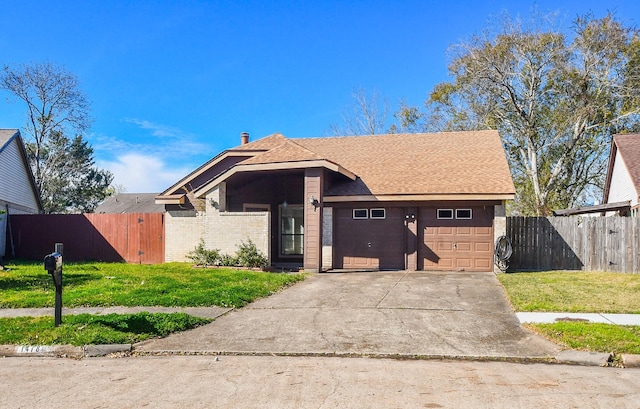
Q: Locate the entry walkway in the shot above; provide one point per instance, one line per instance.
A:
(551, 317)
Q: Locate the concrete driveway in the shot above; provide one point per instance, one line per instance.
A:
(382, 313)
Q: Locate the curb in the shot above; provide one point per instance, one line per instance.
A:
(571, 357)
(62, 351)
(631, 360)
(567, 357)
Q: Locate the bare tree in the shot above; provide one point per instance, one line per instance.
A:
(555, 101)
(368, 115)
(63, 166)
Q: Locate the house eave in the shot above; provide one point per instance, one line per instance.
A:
(418, 197)
(606, 207)
(208, 165)
(262, 167)
(170, 199)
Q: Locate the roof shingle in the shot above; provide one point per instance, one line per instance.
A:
(434, 163)
(629, 148)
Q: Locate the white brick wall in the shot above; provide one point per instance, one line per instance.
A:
(183, 231)
(224, 231)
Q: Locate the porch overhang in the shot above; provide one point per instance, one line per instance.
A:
(178, 199)
(265, 167)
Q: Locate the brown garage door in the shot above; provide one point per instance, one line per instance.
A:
(456, 239)
(371, 241)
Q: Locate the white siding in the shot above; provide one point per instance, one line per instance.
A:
(621, 188)
(15, 187)
(16, 193)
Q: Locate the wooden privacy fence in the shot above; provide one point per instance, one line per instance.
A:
(133, 237)
(575, 243)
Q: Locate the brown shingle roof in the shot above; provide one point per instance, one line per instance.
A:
(451, 163)
(435, 163)
(287, 151)
(266, 143)
(629, 148)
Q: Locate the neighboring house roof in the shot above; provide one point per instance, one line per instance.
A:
(7, 137)
(130, 203)
(391, 167)
(627, 147)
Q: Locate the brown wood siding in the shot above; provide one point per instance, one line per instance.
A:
(312, 220)
(369, 243)
(456, 244)
(134, 237)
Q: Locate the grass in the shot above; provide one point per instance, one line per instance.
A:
(28, 285)
(560, 291)
(587, 292)
(85, 329)
(621, 339)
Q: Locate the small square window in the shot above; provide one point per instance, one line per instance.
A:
(463, 214)
(378, 213)
(360, 213)
(445, 213)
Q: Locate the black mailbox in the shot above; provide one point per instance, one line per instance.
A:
(53, 262)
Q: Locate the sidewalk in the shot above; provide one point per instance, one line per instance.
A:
(203, 312)
(215, 312)
(551, 317)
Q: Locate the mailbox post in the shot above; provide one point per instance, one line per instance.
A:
(53, 264)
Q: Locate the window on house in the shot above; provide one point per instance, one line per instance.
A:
(360, 213)
(291, 230)
(463, 214)
(378, 213)
(445, 213)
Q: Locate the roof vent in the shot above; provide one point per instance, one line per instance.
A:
(244, 138)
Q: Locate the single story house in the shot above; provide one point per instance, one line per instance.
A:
(622, 185)
(18, 192)
(402, 201)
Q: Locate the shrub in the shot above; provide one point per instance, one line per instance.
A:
(201, 256)
(228, 261)
(248, 255)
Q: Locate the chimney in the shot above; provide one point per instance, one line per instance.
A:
(244, 138)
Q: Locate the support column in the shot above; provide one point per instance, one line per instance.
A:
(313, 188)
(411, 220)
(499, 226)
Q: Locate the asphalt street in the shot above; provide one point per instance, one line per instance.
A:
(308, 382)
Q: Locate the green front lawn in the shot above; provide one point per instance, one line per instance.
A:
(565, 291)
(115, 284)
(589, 292)
(28, 285)
(86, 329)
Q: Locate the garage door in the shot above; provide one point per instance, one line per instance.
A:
(456, 239)
(369, 238)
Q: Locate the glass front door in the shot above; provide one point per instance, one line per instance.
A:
(291, 230)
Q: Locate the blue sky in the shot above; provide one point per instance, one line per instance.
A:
(172, 83)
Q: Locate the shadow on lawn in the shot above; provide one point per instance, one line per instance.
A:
(44, 281)
(146, 323)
